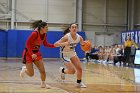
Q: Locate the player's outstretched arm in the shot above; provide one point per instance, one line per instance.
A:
(62, 42)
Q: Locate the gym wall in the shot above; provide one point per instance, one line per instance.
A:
(13, 43)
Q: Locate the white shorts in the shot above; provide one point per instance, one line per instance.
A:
(67, 55)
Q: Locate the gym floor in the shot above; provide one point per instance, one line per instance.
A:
(99, 78)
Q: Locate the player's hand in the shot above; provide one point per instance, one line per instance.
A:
(34, 56)
(83, 42)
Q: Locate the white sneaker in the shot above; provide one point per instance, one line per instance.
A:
(22, 72)
(43, 85)
(62, 74)
(48, 86)
(81, 85)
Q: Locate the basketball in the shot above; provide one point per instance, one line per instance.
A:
(86, 46)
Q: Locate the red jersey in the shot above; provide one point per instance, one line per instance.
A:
(35, 40)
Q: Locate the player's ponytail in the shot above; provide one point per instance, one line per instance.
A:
(66, 31)
(38, 24)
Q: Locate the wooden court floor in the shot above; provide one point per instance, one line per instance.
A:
(99, 78)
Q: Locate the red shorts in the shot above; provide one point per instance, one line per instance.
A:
(27, 57)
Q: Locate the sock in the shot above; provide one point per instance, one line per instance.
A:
(63, 70)
(78, 81)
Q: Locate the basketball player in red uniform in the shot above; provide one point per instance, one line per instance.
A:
(32, 53)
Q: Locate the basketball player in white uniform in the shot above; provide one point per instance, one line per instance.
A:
(69, 56)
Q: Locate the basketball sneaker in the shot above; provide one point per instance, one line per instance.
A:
(44, 85)
(81, 85)
(22, 72)
(62, 74)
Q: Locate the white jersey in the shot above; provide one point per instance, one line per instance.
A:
(72, 42)
(69, 51)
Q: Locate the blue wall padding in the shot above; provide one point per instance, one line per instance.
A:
(16, 40)
(11, 44)
(3, 43)
(52, 37)
(22, 37)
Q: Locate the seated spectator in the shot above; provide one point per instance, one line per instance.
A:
(101, 54)
(119, 55)
(87, 55)
(94, 53)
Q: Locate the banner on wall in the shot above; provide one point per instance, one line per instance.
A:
(135, 36)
